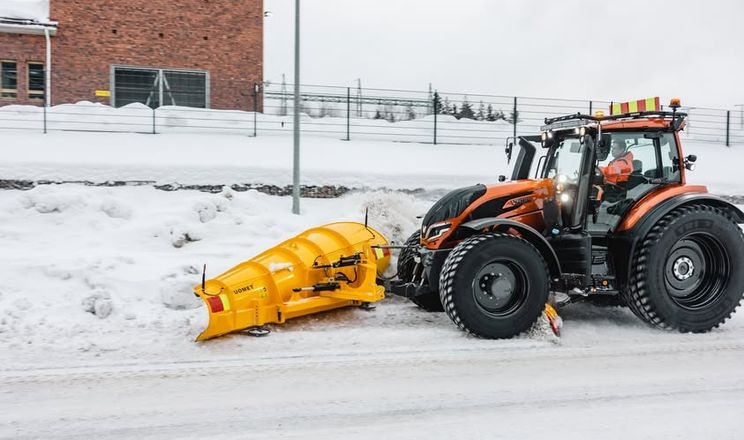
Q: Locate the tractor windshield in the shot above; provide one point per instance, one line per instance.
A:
(564, 159)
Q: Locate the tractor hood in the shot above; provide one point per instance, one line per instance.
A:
(453, 204)
(481, 201)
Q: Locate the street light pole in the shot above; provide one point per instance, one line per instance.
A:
(296, 124)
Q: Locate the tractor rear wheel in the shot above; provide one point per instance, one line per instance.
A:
(494, 285)
(410, 271)
(686, 274)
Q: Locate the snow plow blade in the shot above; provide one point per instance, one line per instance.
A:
(323, 268)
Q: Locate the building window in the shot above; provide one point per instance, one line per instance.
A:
(158, 87)
(35, 81)
(8, 79)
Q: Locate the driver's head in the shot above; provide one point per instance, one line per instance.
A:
(618, 148)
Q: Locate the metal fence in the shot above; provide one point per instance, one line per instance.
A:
(352, 113)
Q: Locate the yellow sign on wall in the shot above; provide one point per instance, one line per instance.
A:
(103, 93)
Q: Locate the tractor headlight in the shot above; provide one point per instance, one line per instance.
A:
(437, 230)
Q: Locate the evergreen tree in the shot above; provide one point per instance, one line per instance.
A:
(489, 114)
(453, 112)
(466, 110)
(481, 114)
(438, 106)
(378, 115)
(513, 117)
(446, 109)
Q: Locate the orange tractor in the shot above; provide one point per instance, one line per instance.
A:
(622, 228)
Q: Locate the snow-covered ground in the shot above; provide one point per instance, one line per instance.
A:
(97, 315)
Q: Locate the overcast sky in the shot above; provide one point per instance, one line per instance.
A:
(604, 50)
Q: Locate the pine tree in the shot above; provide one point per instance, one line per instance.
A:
(481, 114)
(489, 114)
(513, 117)
(466, 110)
(453, 112)
(446, 109)
(438, 107)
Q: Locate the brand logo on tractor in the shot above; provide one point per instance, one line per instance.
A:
(243, 289)
(513, 203)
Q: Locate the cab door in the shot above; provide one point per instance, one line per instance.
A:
(655, 163)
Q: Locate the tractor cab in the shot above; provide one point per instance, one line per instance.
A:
(602, 166)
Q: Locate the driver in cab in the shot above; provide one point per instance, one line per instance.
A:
(621, 166)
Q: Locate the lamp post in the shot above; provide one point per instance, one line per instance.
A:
(296, 125)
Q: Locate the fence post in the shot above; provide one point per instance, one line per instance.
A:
(436, 110)
(515, 117)
(255, 106)
(590, 108)
(348, 114)
(728, 126)
(153, 122)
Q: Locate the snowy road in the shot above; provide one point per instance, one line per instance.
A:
(683, 387)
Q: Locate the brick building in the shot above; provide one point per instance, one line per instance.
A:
(198, 53)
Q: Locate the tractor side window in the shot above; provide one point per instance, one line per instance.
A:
(644, 158)
(669, 157)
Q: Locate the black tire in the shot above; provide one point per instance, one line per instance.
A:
(409, 271)
(494, 285)
(687, 273)
(406, 260)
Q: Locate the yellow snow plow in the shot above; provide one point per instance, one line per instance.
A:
(323, 268)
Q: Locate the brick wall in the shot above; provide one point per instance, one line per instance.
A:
(22, 49)
(222, 37)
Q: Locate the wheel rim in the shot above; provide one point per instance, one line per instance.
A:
(500, 287)
(696, 271)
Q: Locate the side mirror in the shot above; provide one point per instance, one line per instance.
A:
(502, 178)
(603, 146)
(690, 162)
(603, 149)
(509, 148)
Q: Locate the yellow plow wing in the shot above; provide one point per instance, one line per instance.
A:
(323, 268)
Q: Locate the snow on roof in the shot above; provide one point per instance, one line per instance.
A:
(36, 10)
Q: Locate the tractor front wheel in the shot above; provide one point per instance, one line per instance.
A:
(687, 271)
(494, 285)
(411, 271)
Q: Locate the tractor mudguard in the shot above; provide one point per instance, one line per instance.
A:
(528, 233)
(323, 268)
(623, 245)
